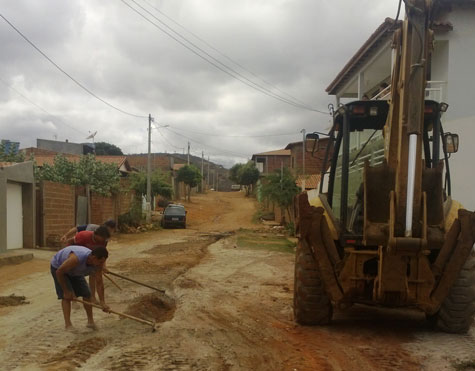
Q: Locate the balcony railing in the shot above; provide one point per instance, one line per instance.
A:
(435, 90)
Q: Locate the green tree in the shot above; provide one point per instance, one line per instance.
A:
(158, 180)
(191, 176)
(234, 172)
(102, 178)
(280, 188)
(103, 148)
(248, 175)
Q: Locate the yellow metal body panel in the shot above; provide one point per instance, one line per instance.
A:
(315, 201)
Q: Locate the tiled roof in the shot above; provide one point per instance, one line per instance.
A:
(312, 181)
(382, 34)
(49, 159)
(279, 152)
(290, 145)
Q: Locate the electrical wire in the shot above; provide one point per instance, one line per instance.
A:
(168, 142)
(215, 62)
(66, 73)
(235, 136)
(39, 107)
(224, 55)
(206, 145)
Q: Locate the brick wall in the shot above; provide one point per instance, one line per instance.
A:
(59, 207)
(125, 197)
(313, 163)
(274, 163)
(102, 208)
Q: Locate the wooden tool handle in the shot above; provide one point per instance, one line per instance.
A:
(110, 279)
(118, 313)
(134, 281)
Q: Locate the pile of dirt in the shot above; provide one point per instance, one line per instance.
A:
(154, 307)
(12, 300)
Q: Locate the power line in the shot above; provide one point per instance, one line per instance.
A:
(223, 54)
(235, 136)
(67, 74)
(206, 145)
(165, 139)
(234, 74)
(39, 107)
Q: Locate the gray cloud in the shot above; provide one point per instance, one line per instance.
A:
(298, 46)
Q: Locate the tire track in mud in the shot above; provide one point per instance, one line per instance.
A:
(75, 354)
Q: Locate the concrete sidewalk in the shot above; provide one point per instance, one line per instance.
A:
(16, 256)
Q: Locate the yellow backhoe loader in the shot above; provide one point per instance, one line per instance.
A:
(384, 229)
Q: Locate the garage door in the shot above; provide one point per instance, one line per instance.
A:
(14, 216)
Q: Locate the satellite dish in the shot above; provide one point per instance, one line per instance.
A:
(92, 135)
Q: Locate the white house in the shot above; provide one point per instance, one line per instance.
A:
(451, 78)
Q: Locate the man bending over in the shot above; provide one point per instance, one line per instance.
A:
(68, 268)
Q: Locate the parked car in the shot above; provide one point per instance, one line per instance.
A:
(174, 216)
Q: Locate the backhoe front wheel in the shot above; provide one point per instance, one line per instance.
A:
(458, 309)
(312, 305)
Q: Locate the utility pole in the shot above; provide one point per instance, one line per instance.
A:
(217, 179)
(148, 205)
(303, 159)
(208, 170)
(188, 161)
(202, 176)
(281, 175)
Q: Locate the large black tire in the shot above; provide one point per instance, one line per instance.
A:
(312, 305)
(458, 309)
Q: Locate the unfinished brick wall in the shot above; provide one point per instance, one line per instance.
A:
(125, 197)
(313, 162)
(59, 207)
(102, 208)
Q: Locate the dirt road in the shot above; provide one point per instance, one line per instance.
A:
(228, 306)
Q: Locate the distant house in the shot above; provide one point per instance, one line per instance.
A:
(268, 162)
(314, 159)
(450, 79)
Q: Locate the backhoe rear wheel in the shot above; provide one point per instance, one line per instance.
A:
(458, 309)
(312, 305)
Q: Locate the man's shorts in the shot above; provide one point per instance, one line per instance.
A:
(77, 284)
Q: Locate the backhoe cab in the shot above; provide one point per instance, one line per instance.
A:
(384, 229)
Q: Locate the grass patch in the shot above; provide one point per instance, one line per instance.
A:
(252, 240)
(464, 366)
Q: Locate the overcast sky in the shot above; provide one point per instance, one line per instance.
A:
(296, 46)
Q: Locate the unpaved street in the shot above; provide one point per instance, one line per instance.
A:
(228, 306)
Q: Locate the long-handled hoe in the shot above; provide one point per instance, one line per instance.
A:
(125, 315)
